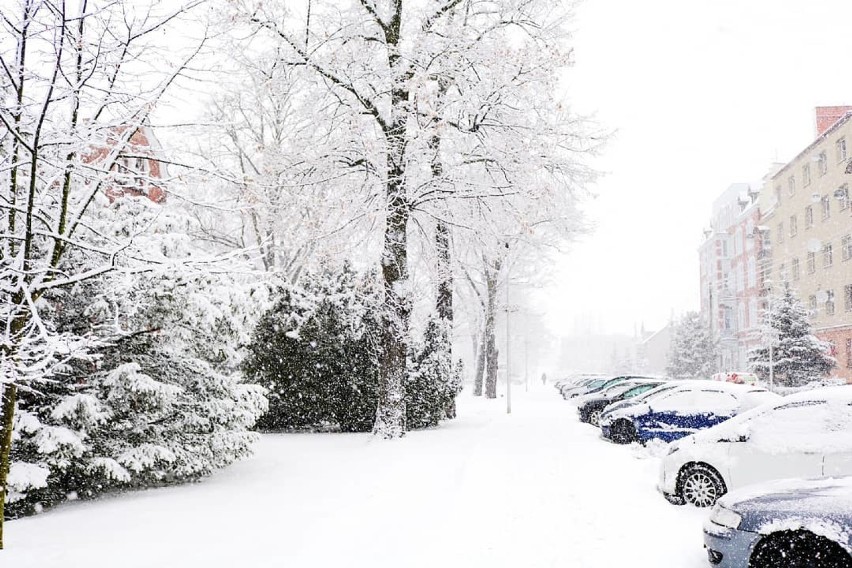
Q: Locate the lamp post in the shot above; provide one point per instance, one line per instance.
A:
(508, 378)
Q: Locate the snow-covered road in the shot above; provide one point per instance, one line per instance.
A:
(531, 489)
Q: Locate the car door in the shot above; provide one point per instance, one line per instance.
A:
(685, 412)
(783, 442)
(838, 440)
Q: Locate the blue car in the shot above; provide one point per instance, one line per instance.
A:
(682, 410)
(786, 523)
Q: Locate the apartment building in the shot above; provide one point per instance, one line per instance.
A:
(806, 226)
(730, 286)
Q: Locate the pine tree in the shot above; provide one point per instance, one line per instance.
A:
(158, 399)
(798, 356)
(693, 351)
(316, 352)
(433, 381)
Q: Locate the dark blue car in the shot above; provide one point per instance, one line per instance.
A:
(783, 523)
(680, 411)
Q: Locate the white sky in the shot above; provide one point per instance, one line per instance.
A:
(702, 93)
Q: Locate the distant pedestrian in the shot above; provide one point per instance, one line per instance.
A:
(544, 378)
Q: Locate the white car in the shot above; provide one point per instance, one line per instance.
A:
(805, 435)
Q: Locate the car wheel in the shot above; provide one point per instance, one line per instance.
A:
(595, 417)
(701, 485)
(799, 549)
(624, 432)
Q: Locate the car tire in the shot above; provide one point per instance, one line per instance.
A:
(700, 485)
(595, 417)
(798, 549)
(624, 432)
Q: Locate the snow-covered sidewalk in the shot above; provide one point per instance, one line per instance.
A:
(531, 489)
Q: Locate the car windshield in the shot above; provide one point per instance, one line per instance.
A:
(637, 390)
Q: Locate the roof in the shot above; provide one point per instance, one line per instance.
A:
(811, 146)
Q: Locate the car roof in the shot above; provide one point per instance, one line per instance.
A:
(841, 393)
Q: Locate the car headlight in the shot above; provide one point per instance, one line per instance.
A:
(725, 517)
(672, 449)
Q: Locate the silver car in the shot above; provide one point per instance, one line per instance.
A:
(783, 524)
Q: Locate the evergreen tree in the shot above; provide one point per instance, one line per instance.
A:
(798, 356)
(158, 399)
(693, 351)
(433, 381)
(316, 352)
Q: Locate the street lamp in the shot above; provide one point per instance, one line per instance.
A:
(508, 378)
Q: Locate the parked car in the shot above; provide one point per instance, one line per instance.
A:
(577, 384)
(599, 385)
(808, 434)
(581, 388)
(591, 406)
(804, 523)
(682, 410)
(616, 406)
(739, 377)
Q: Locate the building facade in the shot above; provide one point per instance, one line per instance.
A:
(806, 221)
(729, 275)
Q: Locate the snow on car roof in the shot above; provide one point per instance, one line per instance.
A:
(839, 393)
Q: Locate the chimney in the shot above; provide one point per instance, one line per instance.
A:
(827, 116)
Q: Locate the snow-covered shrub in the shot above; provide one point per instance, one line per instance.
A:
(160, 398)
(315, 351)
(433, 381)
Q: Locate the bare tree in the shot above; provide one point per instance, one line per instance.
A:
(450, 110)
(78, 82)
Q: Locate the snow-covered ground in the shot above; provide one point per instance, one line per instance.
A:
(530, 489)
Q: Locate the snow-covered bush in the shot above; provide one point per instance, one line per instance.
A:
(315, 351)
(433, 381)
(160, 398)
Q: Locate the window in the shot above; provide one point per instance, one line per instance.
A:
(811, 262)
(842, 194)
(827, 255)
(752, 272)
(794, 226)
(809, 216)
(752, 313)
(847, 297)
(829, 302)
(791, 185)
(806, 175)
(849, 353)
(777, 195)
(822, 163)
(846, 247)
(782, 272)
(780, 238)
(812, 304)
(826, 207)
(840, 148)
(794, 269)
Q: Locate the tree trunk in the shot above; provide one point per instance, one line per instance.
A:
(390, 414)
(491, 274)
(8, 409)
(480, 364)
